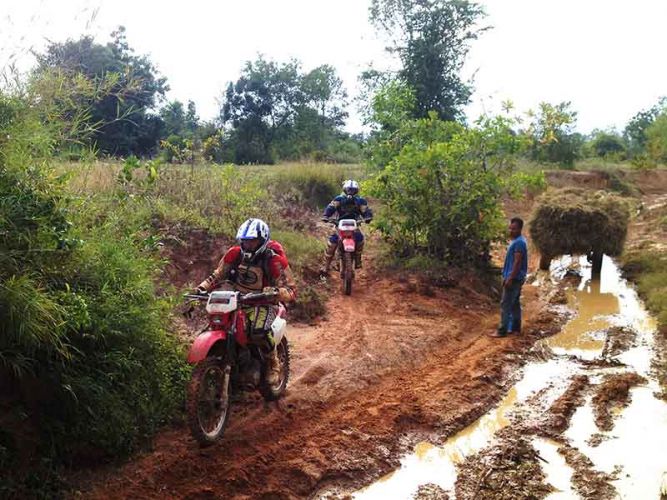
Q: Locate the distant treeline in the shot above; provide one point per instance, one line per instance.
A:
(277, 111)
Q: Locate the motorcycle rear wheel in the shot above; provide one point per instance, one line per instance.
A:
(208, 401)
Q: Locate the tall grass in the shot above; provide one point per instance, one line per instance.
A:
(88, 370)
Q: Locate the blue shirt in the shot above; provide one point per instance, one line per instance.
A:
(517, 245)
(348, 207)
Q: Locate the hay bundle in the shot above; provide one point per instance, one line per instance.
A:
(579, 222)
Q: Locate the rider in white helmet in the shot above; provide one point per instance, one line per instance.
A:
(256, 263)
(348, 205)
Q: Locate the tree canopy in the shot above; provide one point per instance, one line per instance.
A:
(122, 119)
(431, 40)
(276, 110)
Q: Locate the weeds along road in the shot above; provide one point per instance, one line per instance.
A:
(394, 363)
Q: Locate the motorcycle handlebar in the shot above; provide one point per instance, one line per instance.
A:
(335, 221)
(248, 297)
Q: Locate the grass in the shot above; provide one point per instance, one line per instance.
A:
(648, 269)
(219, 198)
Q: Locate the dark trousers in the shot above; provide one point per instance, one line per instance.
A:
(510, 308)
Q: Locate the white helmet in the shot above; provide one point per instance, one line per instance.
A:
(249, 230)
(350, 187)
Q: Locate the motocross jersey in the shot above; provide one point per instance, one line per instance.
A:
(271, 269)
(348, 207)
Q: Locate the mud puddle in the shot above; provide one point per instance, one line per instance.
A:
(631, 456)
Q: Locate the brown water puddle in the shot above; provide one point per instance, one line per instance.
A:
(583, 335)
(637, 444)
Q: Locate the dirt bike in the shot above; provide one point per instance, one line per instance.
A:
(229, 357)
(346, 250)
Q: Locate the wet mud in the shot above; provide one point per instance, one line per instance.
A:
(577, 385)
(613, 393)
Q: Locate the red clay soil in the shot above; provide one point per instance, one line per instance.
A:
(388, 366)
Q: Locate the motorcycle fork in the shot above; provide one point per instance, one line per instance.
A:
(230, 356)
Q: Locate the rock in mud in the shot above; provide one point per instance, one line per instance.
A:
(613, 392)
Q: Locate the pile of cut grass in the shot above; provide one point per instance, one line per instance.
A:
(579, 222)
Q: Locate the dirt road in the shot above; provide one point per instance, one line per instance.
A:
(395, 363)
(398, 363)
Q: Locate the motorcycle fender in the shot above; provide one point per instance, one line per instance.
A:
(203, 343)
(349, 245)
(279, 329)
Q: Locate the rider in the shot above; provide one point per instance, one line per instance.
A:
(256, 264)
(348, 205)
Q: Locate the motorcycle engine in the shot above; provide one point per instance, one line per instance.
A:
(249, 373)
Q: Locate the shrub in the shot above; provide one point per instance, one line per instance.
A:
(656, 135)
(608, 145)
(441, 190)
(87, 369)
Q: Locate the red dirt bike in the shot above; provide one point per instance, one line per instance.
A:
(229, 357)
(346, 250)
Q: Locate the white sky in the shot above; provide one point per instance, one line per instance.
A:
(606, 56)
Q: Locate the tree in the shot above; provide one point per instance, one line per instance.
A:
(635, 130)
(173, 117)
(191, 119)
(122, 118)
(656, 139)
(431, 39)
(261, 104)
(607, 143)
(274, 110)
(324, 92)
(552, 133)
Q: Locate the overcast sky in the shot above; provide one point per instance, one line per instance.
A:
(606, 56)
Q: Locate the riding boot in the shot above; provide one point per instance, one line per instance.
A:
(329, 254)
(273, 367)
(357, 255)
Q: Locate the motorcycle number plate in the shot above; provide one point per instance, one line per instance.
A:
(222, 302)
(347, 225)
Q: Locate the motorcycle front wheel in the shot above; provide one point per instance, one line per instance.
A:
(274, 392)
(208, 399)
(347, 273)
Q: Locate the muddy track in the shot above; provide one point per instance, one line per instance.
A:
(388, 367)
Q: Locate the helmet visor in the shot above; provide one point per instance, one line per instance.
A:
(251, 244)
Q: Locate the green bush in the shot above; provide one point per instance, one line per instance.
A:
(656, 135)
(608, 145)
(442, 188)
